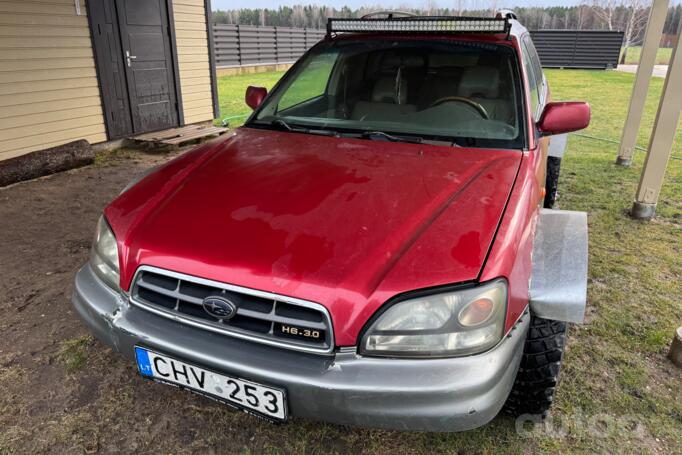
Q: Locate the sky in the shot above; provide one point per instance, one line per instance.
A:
(274, 4)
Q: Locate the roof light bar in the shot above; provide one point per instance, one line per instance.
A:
(426, 24)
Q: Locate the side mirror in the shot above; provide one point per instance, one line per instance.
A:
(566, 117)
(255, 96)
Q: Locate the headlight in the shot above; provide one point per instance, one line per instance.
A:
(104, 255)
(463, 322)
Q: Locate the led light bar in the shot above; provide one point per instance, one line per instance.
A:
(426, 24)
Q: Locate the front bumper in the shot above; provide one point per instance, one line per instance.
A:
(453, 394)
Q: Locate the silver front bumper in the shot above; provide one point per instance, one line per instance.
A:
(345, 388)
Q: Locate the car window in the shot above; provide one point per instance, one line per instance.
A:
(462, 92)
(311, 84)
(532, 82)
(537, 66)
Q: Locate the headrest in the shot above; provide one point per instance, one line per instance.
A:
(481, 82)
(385, 91)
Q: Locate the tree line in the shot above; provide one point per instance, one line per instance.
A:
(597, 15)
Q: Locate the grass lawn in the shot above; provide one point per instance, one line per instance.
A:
(618, 392)
(231, 91)
(662, 57)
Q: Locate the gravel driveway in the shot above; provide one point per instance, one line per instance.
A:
(659, 70)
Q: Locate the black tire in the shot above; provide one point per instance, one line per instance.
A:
(552, 182)
(538, 376)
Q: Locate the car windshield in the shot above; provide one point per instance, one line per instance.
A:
(465, 93)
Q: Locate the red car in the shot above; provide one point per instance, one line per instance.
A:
(370, 248)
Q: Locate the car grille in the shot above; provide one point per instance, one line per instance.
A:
(260, 316)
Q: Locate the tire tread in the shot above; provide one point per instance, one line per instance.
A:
(538, 375)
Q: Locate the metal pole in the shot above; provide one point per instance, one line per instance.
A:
(662, 138)
(652, 39)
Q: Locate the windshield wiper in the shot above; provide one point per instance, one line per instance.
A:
(297, 129)
(281, 123)
(380, 135)
(464, 142)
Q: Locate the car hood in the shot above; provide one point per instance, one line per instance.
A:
(347, 223)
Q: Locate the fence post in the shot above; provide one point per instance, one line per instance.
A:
(239, 45)
(276, 45)
(652, 38)
(662, 138)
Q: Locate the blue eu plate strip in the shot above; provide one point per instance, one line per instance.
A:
(143, 363)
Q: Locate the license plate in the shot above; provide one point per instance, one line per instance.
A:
(250, 396)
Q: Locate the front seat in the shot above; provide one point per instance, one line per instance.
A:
(388, 99)
(482, 84)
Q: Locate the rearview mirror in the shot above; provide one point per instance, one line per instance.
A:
(565, 117)
(255, 96)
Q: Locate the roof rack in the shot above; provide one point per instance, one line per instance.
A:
(420, 24)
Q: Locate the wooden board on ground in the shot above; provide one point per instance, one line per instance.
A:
(179, 136)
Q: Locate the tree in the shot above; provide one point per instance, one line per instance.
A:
(460, 7)
(590, 15)
(628, 15)
(638, 12)
(604, 10)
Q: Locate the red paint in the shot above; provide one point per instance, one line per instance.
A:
(566, 117)
(255, 96)
(510, 256)
(344, 222)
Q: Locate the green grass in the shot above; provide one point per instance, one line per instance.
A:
(74, 352)
(618, 391)
(616, 363)
(662, 56)
(231, 91)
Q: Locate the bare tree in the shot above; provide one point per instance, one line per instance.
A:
(431, 7)
(493, 6)
(605, 11)
(581, 16)
(630, 16)
(638, 13)
(460, 7)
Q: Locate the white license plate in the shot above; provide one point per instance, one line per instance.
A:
(264, 400)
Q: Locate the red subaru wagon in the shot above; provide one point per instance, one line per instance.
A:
(370, 248)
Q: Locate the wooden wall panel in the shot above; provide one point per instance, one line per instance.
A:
(49, 92)
(193, 60)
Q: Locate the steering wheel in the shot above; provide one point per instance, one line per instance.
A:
(459, 99)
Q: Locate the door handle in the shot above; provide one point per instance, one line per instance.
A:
(130, 57)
